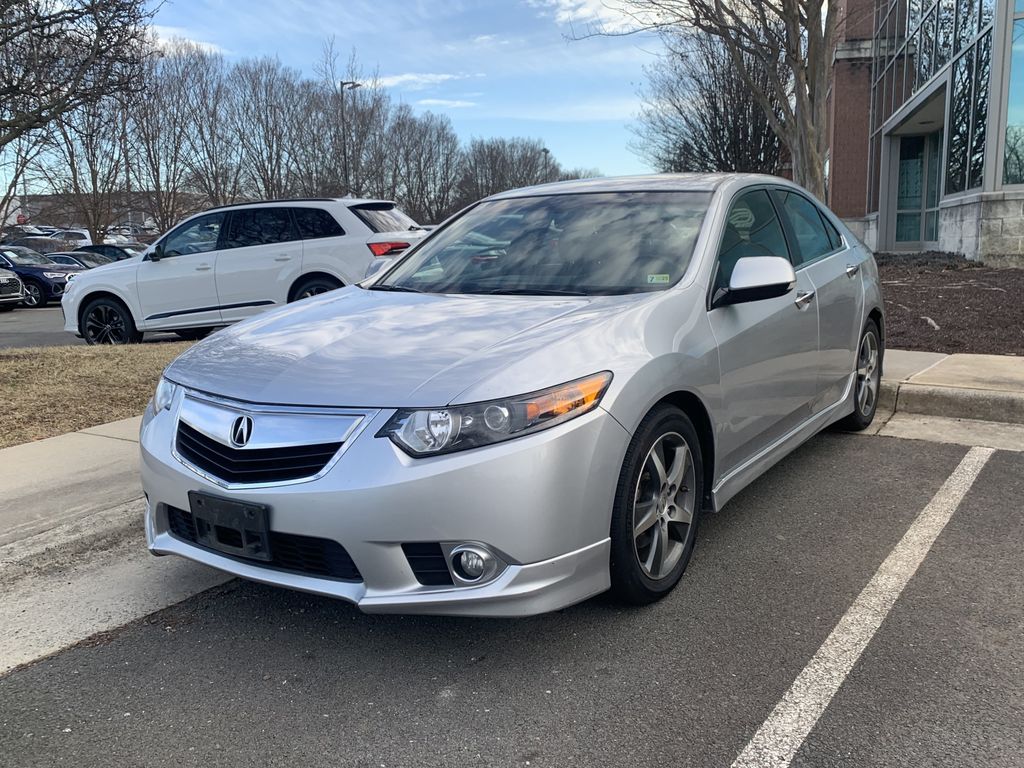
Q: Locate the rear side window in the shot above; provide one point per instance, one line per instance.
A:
(752, 229)
(812, 238)
(259, 226)
(316, 222)
(383, 217)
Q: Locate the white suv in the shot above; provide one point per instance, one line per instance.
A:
(226, 264)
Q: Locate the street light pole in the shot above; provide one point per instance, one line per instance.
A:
(345, 85)
(547, 172)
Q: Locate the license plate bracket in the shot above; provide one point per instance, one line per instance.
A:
(238, 528)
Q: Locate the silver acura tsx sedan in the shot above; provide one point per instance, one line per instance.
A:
(531, 407)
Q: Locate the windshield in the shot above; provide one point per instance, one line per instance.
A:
(25, 259)
(581, 244)
(92, 259)
(383, 217)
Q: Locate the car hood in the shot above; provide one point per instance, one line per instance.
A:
(361, 348)
(38, 269)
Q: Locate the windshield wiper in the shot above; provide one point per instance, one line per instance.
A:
(533, 292)
(395, 288)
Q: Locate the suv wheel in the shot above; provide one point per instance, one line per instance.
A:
(314, 286)
(35, 294)
(106, 321)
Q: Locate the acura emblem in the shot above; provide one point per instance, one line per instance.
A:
(241, 431)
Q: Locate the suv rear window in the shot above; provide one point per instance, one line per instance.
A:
(383, 217)
(316, 222)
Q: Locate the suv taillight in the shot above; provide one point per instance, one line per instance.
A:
(385, 249)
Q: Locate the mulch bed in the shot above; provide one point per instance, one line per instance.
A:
(937, 302)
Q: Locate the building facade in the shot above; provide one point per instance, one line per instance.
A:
(927, 126)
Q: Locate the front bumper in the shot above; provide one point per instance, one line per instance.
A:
(542, 501)
(11, 298)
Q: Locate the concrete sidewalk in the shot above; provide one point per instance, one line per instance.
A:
(71, 479)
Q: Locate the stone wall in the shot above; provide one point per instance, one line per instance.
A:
(984, 227)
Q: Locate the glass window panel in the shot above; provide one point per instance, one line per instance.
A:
(1018, 6)
(913, 14)
(812, 239)
(908, 227)
(910, 187)
(887, 97)
(925, 60)
(1013, 159)
(959, 124)
(979, 117)
(890, 41)
(931, 191)
(966, 23)
(944, 27)
(931, 226)
(913, 78)
(987, 10)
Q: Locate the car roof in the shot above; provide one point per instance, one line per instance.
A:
(349, 201)
(654, 182)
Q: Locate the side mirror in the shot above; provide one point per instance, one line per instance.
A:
(157, 253)
(756, 278)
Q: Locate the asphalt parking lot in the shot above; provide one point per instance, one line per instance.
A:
(249, 675)
(44, 327)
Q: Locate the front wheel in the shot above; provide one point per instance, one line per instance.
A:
(869, 380)
(657, 507)
(35, 295)
(106, 321)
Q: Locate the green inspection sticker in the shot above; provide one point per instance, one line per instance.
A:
(657, 279)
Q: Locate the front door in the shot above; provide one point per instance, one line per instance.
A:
(917, 191)
(180, 290)
(768, 350)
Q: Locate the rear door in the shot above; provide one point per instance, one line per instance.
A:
(180, 289)
(768, 349)
(834, 269)
(261, 257)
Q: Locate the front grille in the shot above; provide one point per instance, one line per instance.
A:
(428, 563)
(254, 465)
(306, 555)
(10, 286)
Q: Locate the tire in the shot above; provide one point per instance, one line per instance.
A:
(638, 574)
(869, 379)
(35, 295)
(313, 286)
(108, 321)
(193, 334)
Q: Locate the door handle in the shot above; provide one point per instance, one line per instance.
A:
(852, 270)
(282, 258)
(203, 268)
(804, 299)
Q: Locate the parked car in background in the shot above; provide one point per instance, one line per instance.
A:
(11, 290)
(226, 264)
(508, 428)
(73, 237)
(42, 245)
(43, 279)
(80, 259)
(46, 229)
(16, 231)
(116, 252)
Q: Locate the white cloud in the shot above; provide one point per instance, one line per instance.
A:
(165, 37)
(415, 81)
(446, 103)
(603, 15)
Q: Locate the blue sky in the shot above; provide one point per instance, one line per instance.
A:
(495, 67)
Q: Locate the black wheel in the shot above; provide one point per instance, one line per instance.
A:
(869, 380)
(657, 507)
(107, 321)
(35, 294)
(193, 334)
(314, 286)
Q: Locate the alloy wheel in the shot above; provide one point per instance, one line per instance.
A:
(868, 374)
(314, 290)
(106, 325)
(663, 506)
(33, 295)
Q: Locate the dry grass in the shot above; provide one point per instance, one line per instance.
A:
(47, 391)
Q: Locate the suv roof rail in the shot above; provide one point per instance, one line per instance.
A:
(282, 200)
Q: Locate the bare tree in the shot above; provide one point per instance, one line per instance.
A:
(58, 55)
(494, 165)
(802, 33)
(699, 114)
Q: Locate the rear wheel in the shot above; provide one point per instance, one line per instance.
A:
(106, 321)
(869, 380)
(193, 334)
(314, 286)
(657, 507)
(35, 294)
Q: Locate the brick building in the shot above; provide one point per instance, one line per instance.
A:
(926, 124)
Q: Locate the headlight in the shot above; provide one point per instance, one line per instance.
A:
(431, 432)
(165, 391)
(54, 275)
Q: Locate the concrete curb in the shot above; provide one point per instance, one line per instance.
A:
(952, 402)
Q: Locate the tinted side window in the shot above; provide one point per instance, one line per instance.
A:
(316, 222)
(752, 229)
(833, 234)
(196, 236)
(811, 238)
(259, 226)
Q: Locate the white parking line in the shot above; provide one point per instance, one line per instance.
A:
(780, 736)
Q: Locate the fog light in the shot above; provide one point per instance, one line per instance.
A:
(472, 563)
